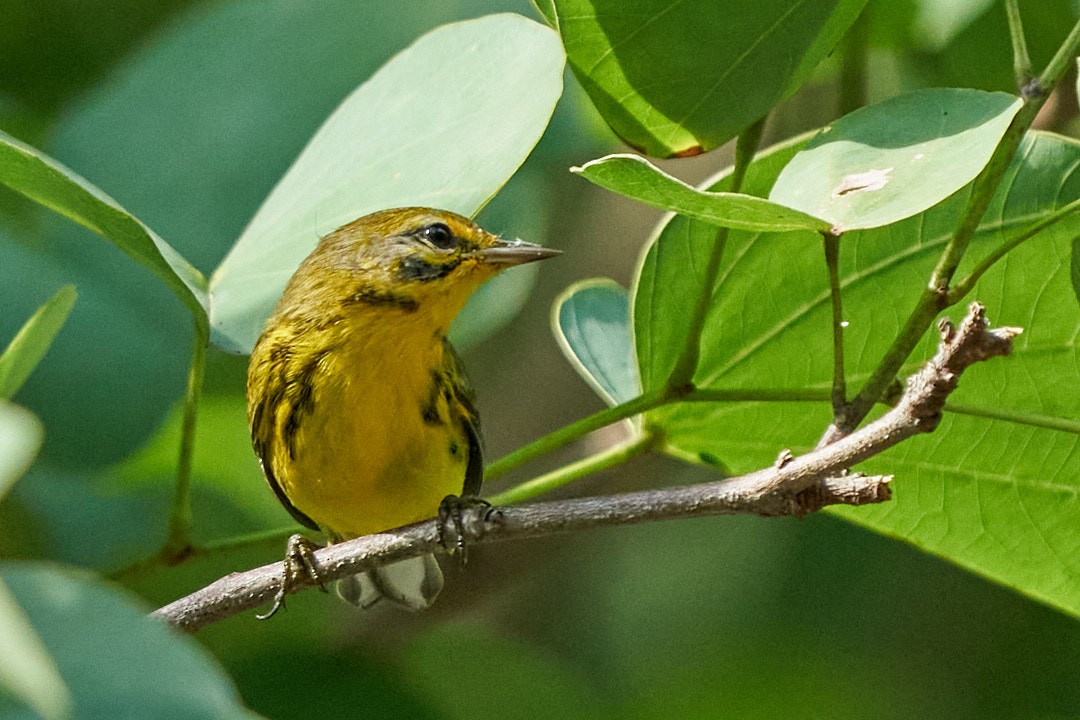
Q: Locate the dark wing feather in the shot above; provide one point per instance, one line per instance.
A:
(263, 432)
(470, 419)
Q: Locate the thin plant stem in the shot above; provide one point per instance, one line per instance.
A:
(962, 288)
(1021, 59)
(643, 403)
(1060, 63)
(178, 542)
(1039, 421)
(839, 386)
(569, 433)
(240, 542)
(686, 364)
(611, 457)
(758, 395)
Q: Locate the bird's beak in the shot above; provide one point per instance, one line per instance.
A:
(515, 252)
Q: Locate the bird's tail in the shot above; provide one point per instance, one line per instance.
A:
(412, 583)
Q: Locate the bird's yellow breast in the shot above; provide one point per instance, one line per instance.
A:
(381, 442)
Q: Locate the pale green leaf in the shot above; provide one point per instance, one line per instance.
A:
(444, 124)
(20, 439)
(892, 160)
(28, 672)
(116, 661)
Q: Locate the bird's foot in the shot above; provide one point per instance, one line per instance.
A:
(452, 522)
(299, 561)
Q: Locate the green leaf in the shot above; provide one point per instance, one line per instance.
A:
(20, 439)
(28, 671)
(44, 180)
(892, 160)
(591, 321)
(995, 488)
(122, 660)
(424, 130)
(637, 178)
(670, 278)
(30, 344)
(678, 77)
(190, 140)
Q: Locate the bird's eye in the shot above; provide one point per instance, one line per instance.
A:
(438, 235)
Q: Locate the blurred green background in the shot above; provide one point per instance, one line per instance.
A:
(187, 112)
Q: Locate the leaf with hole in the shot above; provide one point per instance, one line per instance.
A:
(895, 159)
(995, 488)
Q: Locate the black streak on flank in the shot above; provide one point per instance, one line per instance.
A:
(300, 390)
(417, 268)
(365, 295)
(430, 412)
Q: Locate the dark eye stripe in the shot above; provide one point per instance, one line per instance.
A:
(417, 268)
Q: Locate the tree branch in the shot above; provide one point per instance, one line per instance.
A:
(792, 486)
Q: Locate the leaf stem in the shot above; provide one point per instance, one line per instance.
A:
(615, 455)
(241, 541)
(758, 395)
(1060, 63)
(178, 542)
(839, 386)
(643, 403)
(686, 364)
(569, 433)
(1021, 59)
(962, 288)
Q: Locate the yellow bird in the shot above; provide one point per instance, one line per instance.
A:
(360, 411)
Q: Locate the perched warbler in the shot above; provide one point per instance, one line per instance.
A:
(360, 411)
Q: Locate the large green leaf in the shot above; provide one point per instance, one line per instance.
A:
(591, 321)
(28, 672)
(637, 178)
(1002, 490)
(32, 341)
(445, 123)
(676, 77)
(117, 662)
(892, 160)
(39, 177)
(189, 134)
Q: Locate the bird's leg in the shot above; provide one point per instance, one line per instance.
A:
(299, 559)
(451, 522)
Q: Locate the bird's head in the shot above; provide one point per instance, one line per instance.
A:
(406, 259)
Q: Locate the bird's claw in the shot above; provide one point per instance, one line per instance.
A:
(451, 522)
(299, 560)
